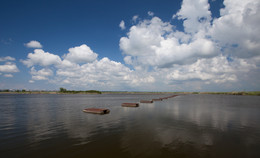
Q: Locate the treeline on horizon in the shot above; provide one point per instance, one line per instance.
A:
(16, 90)
(63, 90)
(231, 93)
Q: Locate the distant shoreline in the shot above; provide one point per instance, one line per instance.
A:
(254, 93)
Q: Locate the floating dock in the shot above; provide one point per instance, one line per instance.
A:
(130, 104)
(157, 100)
(96, 111)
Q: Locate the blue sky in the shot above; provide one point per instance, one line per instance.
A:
(162, 46)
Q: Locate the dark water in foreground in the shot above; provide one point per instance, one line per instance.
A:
(184, 126)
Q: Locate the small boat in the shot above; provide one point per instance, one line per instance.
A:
(130, 104)
(146, 101)
(96, 111)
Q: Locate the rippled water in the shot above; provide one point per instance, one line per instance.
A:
(184, 126)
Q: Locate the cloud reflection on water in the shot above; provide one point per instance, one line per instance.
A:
(186, 122)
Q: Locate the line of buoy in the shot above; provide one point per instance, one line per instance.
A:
(168, 97)
(106, 111)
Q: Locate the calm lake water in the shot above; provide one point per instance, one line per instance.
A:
(185, 126)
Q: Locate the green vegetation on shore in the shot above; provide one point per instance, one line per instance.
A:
(257, 93)
(6, 91)
(232, 93)
(63, 90)
(138, 92)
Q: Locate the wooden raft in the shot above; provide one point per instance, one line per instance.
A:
(130, 104)
(96, 111)
(146, 101)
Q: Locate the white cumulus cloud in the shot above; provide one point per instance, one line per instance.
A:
(9, 67)
(134, 19)
(155, 43)
(195, 15)
(80, 54)
(103, 74)
(158, 43)
(122, 25)
(208, 54)
(81, 68)
(33, 44)
(237, 29)
(7, 58)
(39, 57)
(216, 70)
(42, 74)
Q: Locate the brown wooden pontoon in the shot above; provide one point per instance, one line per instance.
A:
(130, 104)
(96, 111)
(146, 101)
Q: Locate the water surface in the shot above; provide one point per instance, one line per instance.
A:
(40, 125)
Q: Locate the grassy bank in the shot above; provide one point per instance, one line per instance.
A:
(80, 92)
(257, 93)
(51, 92)
(30, 92)
(132, 92)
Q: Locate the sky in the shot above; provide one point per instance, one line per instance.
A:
(148, 45)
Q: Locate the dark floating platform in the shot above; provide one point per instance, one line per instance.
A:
(146, 101)
(96, 111)
(157, 100)
(130, 104)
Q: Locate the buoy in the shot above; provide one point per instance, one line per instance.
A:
(96, 111)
